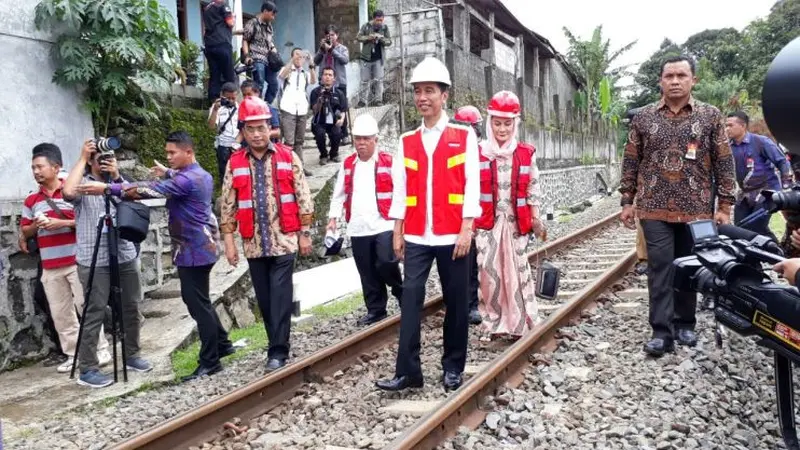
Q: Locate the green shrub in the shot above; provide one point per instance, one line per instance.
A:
(193, 122)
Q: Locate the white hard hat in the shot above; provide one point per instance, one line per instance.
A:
(430, 70)
(365, 125)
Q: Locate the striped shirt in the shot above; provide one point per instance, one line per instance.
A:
(56, 247)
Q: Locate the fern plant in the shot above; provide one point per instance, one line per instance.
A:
(116, 52)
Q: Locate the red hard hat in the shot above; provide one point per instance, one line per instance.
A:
(253, 108)
(468, 114)
(504, 104)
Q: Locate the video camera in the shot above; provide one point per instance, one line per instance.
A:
(746, 300)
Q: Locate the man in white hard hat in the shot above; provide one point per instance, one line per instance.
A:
(363, 191)
(436, 197)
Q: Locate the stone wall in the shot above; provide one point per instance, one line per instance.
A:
(423, 36)
(568, 186)
(21, 324)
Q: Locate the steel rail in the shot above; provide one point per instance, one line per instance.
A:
(259, 396)
(463, 408)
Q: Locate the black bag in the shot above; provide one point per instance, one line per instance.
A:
(274, 61)
(33, 246)
(133, 221)
(548, 277)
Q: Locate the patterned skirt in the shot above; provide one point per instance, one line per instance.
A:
(508, 304)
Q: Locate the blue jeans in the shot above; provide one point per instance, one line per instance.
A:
(267, 81)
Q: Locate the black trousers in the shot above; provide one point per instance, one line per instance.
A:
(223, 155)
(272, 281)
(452, 275)
(474, 284)
(334, 133)
(669, 310)
(760, 226)
(220, 68)
(194, 291)
(378, 267)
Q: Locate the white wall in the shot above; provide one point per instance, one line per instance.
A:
(33, 109)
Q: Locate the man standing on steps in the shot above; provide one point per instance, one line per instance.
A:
(294, 100)
(217, 36)
(436, 197)
(675, 147)
(364, 190)
(265, 196)
(472, 116)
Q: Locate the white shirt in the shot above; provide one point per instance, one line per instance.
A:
(365, 219)
(294, 100)
(228, 136)
(472, 205)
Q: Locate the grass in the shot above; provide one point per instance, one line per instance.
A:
(565, 218)
(184, 360)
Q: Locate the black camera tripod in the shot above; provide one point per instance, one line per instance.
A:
(117, 322)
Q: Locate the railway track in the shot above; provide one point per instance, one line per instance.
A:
(593, 259)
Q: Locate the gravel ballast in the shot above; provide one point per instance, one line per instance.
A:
(100, 426)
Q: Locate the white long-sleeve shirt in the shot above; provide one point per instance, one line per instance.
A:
(365, 219)
(472, 205)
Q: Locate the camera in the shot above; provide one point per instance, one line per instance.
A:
(106, 147)
(226, 103)
(328, 41)
(747, 301)
(242, 68)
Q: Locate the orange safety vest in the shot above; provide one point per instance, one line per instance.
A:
(521, 169)
(383, 183)
(449, 179)
(283, 179)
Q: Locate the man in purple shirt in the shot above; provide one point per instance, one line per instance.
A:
(194, 234)
(756, 158)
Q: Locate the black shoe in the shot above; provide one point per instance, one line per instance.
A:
(274, 364)
(475, 317)
(308, 173)
(322, 161)
(334, 160)
(55, 359)
(451, 381)
(686, 337)
(399, 383)
(227, 351)
(641, 267)
(370, 318)
(202, 371)
(658, 346)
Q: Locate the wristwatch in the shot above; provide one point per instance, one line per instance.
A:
(107, 190)
(305, 233)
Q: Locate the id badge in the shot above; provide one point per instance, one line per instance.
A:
(750, 163)
(691, 151)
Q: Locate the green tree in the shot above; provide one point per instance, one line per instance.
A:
(649, 73)
(115, 51)
(764, 38)
(593, 61)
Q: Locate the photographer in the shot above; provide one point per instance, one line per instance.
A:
(51, 219)
(330, 107)
(294, 100)
(93, 166)
(249, 89)
(222, 117)
(194, 236)
(333, 55)
(374, 37)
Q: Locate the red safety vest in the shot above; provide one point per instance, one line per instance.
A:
(449, 179)
(383, 183)
(283, 179)
(520, 179)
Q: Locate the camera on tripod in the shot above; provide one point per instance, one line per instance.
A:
(106, 146)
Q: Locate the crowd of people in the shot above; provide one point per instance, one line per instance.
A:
(460, 191)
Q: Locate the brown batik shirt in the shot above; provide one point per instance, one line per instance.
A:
(272, 241)
(659, 173)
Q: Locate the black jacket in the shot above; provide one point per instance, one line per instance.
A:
(336, 101)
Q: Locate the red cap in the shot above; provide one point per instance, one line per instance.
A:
(468, 114)
(504, 104)
(253, 108)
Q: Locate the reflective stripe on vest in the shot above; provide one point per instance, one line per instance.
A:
(456, 160)
(522, 202)
(411, 164)
(284, 166)
(485, 165)
(243, 204)
(383, 195)
(455, 199)
(241, 172)
(411, 201)
(287, 198)
(383, 183)
(487, 198)
(524, 170)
